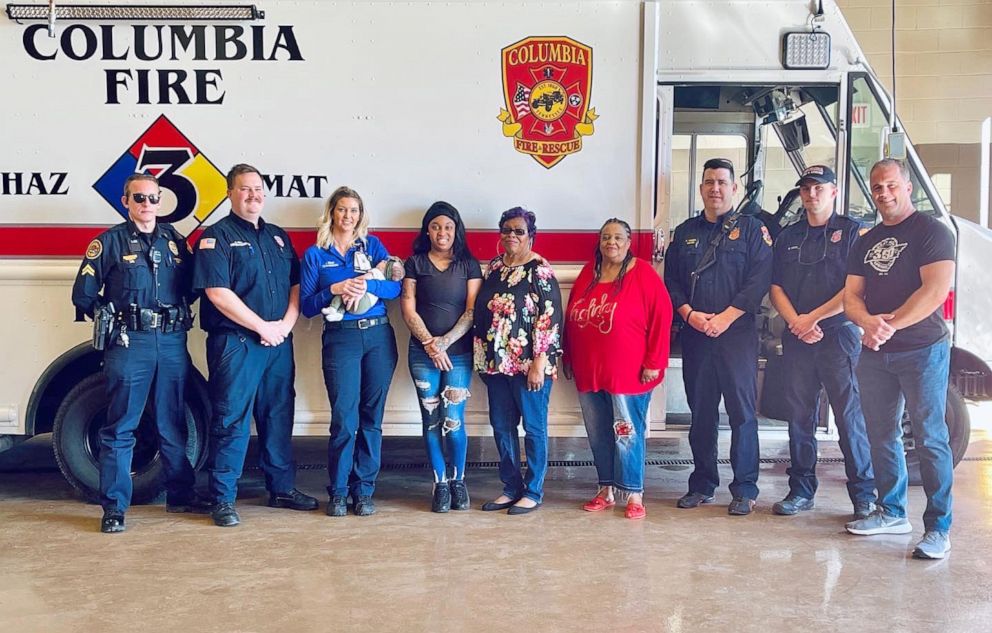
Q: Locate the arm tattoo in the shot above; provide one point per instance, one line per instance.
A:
(418, 328)
(462, 326)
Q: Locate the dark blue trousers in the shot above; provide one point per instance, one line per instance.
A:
(724, 366)
(358, 367)
(249, 379)
(830, 363)
(155, 366)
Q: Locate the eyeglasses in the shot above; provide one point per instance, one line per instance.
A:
(505, 230)
(141, 197)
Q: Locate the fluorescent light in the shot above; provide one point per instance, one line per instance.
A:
(149, 12)
(806, 50)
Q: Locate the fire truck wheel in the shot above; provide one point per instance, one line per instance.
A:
(958, 428)
(76, 441)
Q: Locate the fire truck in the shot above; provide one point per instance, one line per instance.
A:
(578, 111)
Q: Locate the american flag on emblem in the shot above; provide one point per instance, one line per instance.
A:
(521, 100)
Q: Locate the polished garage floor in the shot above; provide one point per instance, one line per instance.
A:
(559, 569)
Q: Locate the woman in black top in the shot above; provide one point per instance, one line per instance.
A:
(439, 289)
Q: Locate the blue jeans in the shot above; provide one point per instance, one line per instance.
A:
(724, 366)
(153, 367)
(358, 367)
(830, 363)
(509, 401)
(246, 379)
(615, 425)
(917, 380)
(442, 408)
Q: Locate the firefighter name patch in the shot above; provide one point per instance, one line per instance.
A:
(547, 82)
(94, 249)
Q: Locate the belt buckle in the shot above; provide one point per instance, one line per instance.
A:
(156, 320)
(364, 324)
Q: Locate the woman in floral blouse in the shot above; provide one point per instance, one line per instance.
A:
(518, 325)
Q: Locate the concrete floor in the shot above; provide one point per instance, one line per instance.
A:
(559, 569)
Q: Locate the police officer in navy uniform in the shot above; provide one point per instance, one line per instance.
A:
(141, 267)
(249, 275)
(720, 336)
(821, 346)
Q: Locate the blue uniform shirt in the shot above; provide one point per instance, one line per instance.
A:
(324, 267)
(742, 272)
(810, 263)
(119, 267)
(259, 265)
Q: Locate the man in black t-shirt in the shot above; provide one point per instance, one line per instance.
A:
(899, 275)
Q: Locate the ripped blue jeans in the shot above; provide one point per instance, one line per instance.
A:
(442, 396)
(615, 426)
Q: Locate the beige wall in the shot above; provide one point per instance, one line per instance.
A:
(943, 80)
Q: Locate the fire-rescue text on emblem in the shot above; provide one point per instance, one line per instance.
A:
(546, 86)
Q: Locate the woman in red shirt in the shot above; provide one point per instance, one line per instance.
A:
(617, 327)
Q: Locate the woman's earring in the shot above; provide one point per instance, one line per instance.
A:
(499, 244)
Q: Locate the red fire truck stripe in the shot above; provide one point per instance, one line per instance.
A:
(559, 247)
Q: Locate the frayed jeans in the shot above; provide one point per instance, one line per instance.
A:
(442, 396)
(615, 426)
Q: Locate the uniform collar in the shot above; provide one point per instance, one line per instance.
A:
(245, 224)
(133, 231)
(833, 222)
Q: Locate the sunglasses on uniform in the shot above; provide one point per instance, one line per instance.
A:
(141, 197)
(506, 230)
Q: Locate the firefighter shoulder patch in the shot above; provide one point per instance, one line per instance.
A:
(765, 235)
(94, 249)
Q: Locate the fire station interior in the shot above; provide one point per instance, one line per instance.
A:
(406, 569)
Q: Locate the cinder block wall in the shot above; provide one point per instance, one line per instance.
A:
(943, 81)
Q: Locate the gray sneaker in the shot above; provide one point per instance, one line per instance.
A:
(879, 523)
(934, 544)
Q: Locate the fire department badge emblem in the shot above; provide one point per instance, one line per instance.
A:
(836, 236)
(547, 82)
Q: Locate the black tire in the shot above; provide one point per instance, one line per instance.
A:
(75, 439)
(958, 428)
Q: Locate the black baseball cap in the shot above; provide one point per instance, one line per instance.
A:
(818, 173)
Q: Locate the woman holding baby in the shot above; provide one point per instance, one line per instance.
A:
(359, 349)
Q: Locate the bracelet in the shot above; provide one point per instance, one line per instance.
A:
(689, 316)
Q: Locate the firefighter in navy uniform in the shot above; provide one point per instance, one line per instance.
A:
(142, 269)
(249, 275)
(821, 346)
(717, 271)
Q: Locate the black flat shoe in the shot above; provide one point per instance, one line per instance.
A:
(492, 506)
(522, 510)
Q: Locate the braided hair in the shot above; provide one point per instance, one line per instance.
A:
(598, 269)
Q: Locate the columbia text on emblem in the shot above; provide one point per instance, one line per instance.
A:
(547, 82)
